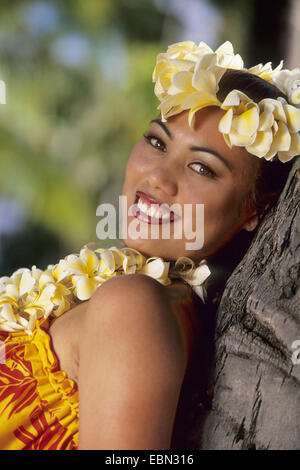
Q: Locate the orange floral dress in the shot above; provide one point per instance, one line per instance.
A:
(38, 403)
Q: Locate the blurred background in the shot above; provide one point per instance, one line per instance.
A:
(79, 95)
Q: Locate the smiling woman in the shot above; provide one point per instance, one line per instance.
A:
(131, 318)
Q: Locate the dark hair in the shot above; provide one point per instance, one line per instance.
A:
(271, 176)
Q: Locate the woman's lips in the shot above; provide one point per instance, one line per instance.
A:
(150, 202)
(147, 198)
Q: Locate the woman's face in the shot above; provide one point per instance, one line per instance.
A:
(174, 164)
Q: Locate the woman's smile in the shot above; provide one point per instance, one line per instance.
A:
(149, 210)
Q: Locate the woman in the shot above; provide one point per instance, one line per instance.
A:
(123, 351)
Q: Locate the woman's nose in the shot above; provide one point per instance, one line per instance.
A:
(161, 178)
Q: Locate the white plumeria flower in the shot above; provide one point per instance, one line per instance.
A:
(195, 277)
(60, 298)
(113, 259)
(40, 301)
(8, 319)
(241, 120)
(60, 270)
(187, 76)
(4, 280)
(83, 272)
(189, 51)
(265, 71)
(133, 260)
(272, 133)
(227, 58)
(23, 303)
(288, 81)
(158, 269)
(267, 129)
(21, 282)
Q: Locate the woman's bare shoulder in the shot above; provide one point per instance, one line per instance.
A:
(125, 297)
(140, 290)
(133, 294)
(131, 366)
(121, 285)
(141, 285)
(66, 332)
(138, 295)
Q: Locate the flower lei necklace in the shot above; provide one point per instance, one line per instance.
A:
(31, 294)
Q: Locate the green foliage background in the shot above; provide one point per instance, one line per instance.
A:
(67, 129)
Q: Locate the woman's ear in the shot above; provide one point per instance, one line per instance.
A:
(251, 223)
(254, 218)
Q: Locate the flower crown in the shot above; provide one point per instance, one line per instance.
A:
(187, 77)
(29, 295)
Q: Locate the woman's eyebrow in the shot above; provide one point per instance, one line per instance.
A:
(163, 126)
(213, 152)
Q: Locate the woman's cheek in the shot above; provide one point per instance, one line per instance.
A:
(221, 216)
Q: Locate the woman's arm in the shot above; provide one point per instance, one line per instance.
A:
(132, 364)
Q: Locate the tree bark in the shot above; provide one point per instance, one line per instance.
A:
(252, 398)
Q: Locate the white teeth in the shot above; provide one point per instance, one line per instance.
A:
(153, 210)
(142, 206)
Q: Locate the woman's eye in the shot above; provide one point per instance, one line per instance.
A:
(203, 169)
(155, 142)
